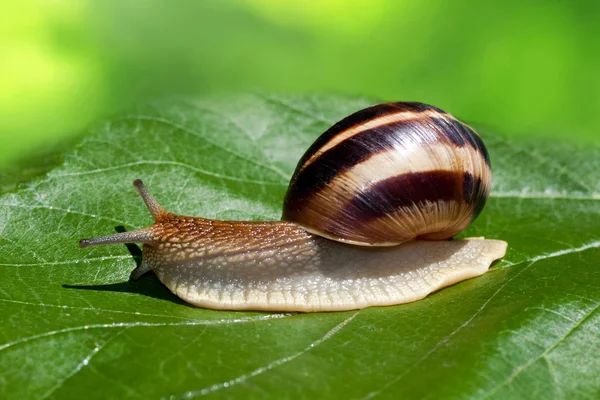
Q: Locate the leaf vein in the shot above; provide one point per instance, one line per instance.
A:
(587, 246)
(69, 211)
(199, 135)
(241, 129)
(143, 324)
(78, 261)
(242, 378)
(60, 383)
(526, 365)
(297, 110)
(171, 163)
(546, 195)
(544, 161)
(65, 307)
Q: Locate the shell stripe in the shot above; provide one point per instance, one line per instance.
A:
(383, 165)
(414, 188)
(462, 134)
(386, 164)
(372, 124)
(391, 113)
(479, 190)
(359, 118)
(358, 148)
(385, 205)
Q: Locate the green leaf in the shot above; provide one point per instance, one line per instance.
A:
(72, 323)
(36, 163)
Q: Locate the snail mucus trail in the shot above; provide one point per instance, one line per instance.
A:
(366, 222)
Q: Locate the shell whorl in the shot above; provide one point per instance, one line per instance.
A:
(391, 173)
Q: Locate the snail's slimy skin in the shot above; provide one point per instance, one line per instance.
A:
(277, 266)
(321, 275)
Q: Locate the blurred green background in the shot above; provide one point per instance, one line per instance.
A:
(519, 67)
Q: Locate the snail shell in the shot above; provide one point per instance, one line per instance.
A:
(383, 176)
(391, 173)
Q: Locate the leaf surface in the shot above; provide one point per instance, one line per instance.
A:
(72, 323)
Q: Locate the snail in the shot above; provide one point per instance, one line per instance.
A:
(367, 221)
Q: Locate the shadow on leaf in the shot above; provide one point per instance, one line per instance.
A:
(147, 285)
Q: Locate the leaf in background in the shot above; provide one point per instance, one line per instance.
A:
(72, 323)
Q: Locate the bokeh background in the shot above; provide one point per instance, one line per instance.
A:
(519, 67)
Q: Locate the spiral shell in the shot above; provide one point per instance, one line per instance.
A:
(391, 173)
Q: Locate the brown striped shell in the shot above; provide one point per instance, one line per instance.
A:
(391, 173)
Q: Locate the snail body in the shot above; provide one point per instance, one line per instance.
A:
(364, 222)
